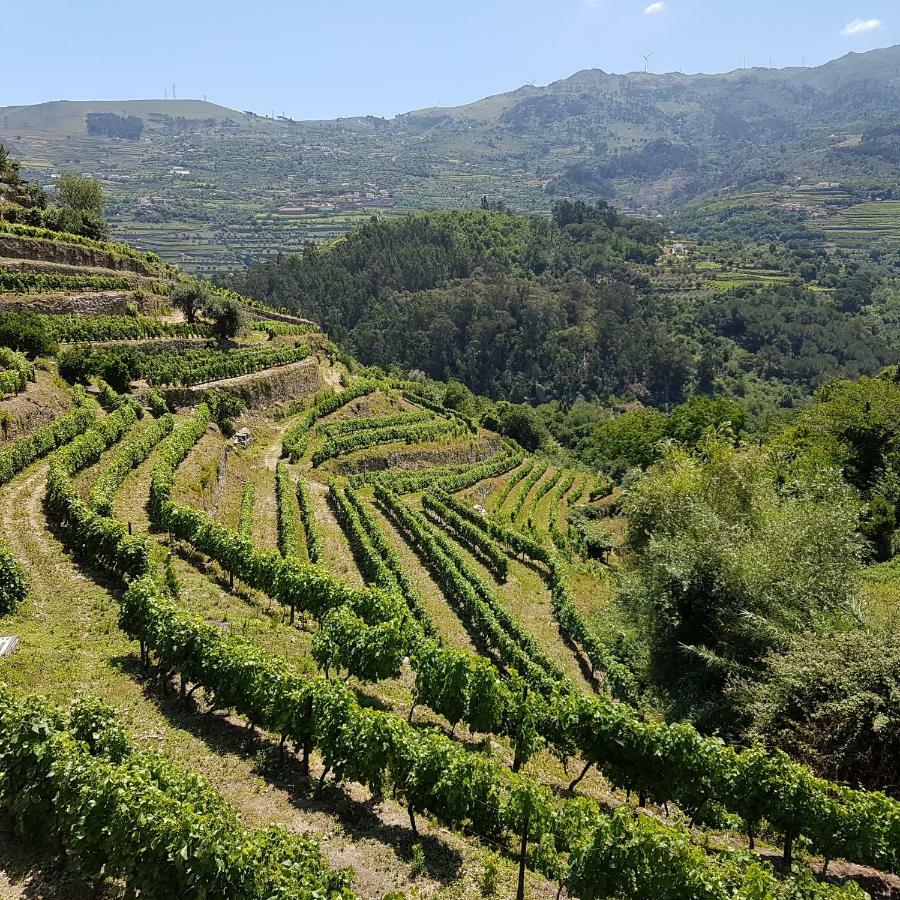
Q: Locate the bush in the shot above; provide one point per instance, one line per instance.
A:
(831, 701)
(157, 404)
(117, 367)
(225, 408)
(27, 333)
(724, 567)
(522, 424)
(13, 583)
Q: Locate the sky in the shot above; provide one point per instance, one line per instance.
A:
(312, 60)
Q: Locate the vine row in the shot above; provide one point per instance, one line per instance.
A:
(290, 531)
(569, 839)
(297, 436)
(410, 434)
(26, 450)
(371, 423)
(131, 814)
(469, 534)
(134, 451)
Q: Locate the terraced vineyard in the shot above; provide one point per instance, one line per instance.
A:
(328, 637)
(358, 650)
(858, 226)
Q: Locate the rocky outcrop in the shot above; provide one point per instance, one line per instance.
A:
(264, 388)
(43, 250)
(93, 303)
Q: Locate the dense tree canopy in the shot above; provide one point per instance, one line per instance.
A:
(725, 565)
(529, 309)
(635, 438)
(832, 701)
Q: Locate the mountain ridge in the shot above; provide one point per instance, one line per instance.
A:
(195, 105)
(251, 186)
(61, 112)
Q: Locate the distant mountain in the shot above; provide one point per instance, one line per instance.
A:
(657, 140)
(650, 142)
(775, 87)
(69, 116)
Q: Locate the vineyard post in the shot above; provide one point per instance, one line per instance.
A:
(523, 850)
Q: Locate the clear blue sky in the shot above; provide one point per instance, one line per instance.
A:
(348, 57)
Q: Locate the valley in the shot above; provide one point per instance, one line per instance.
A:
(491, 501)
(212, 189)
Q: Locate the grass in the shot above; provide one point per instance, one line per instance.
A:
(450, 628)
(42, 401)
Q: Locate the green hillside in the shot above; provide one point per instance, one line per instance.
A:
(213, 189)
(559, 557)
(591, 305)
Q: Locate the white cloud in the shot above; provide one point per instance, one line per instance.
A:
(657, 7)
(860, 26)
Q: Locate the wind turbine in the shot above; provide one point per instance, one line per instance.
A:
(646, 58)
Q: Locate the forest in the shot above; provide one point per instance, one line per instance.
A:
(529, 310)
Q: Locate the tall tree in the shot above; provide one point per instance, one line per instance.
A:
(190, 297)
(226, 314)
(725, 564)
(79, 207)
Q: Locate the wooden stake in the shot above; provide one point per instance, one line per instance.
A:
(523, 850)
